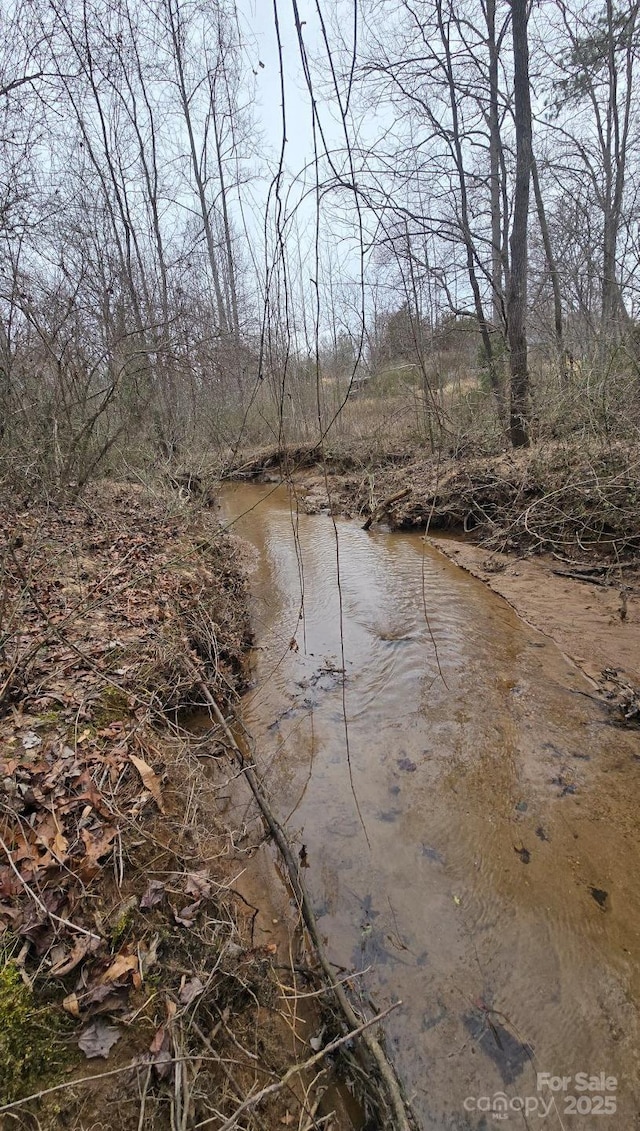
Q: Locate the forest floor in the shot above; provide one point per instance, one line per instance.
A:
(143, 971)
(554, 529)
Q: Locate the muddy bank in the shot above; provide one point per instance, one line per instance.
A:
(580, 501)
(143, 970)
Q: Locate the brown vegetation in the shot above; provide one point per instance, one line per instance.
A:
(131, 978)
(575, 501)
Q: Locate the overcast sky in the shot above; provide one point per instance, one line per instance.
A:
(257, 18)
(258, 25)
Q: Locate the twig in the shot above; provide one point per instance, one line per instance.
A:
(295, 1069)
(36, 899)
(579, 576)
(143, 1099)
(384, 506)
(135, 1065)
(71, 1084)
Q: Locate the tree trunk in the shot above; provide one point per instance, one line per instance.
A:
(174, 24)
(517, 297)
(494, 171)
(495, 377)
(553, 272)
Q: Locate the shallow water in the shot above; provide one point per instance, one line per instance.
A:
(468, 814)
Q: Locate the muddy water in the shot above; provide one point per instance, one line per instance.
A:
(489, 879)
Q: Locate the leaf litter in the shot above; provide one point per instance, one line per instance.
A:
(113, 610)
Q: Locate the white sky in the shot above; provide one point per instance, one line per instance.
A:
(257, 17)
(258, 23)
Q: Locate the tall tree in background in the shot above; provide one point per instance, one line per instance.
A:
(598, 84)
(517, 295)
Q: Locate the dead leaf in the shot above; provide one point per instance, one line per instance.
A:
(149, 780)
(24, 850)
(116, 1001)
(51, 838)
(31, 740)
(187, 915)
(198, 884)
(153, 895)
(58, 954)
(96, 995)
(171, 1008)
(70, 1005)
(122, 965)
(287, 1118)
(160, 1049)
(9, 885)
(158, 1040)
(111, 731)
(190, 990)
(98, 1039)
(149, 957)
(98, 845)
(66, 962)
(60, 846)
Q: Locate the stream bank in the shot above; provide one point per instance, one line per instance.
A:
(144, 973)
(555, 530)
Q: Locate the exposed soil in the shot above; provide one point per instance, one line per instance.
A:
(584, 618)
(133, 978)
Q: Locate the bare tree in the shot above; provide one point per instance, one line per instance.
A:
(597, 81)
(517, 297)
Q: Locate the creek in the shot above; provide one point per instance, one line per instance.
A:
(468, 815)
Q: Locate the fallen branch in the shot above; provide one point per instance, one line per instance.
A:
(385, 505)
(295, 1070)
(576, 575)
(401, 1118)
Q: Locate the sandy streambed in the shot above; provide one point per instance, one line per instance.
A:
(466, 811)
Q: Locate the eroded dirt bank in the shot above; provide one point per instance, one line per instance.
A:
(146, 977)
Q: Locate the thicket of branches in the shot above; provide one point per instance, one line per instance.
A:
(169, 282)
